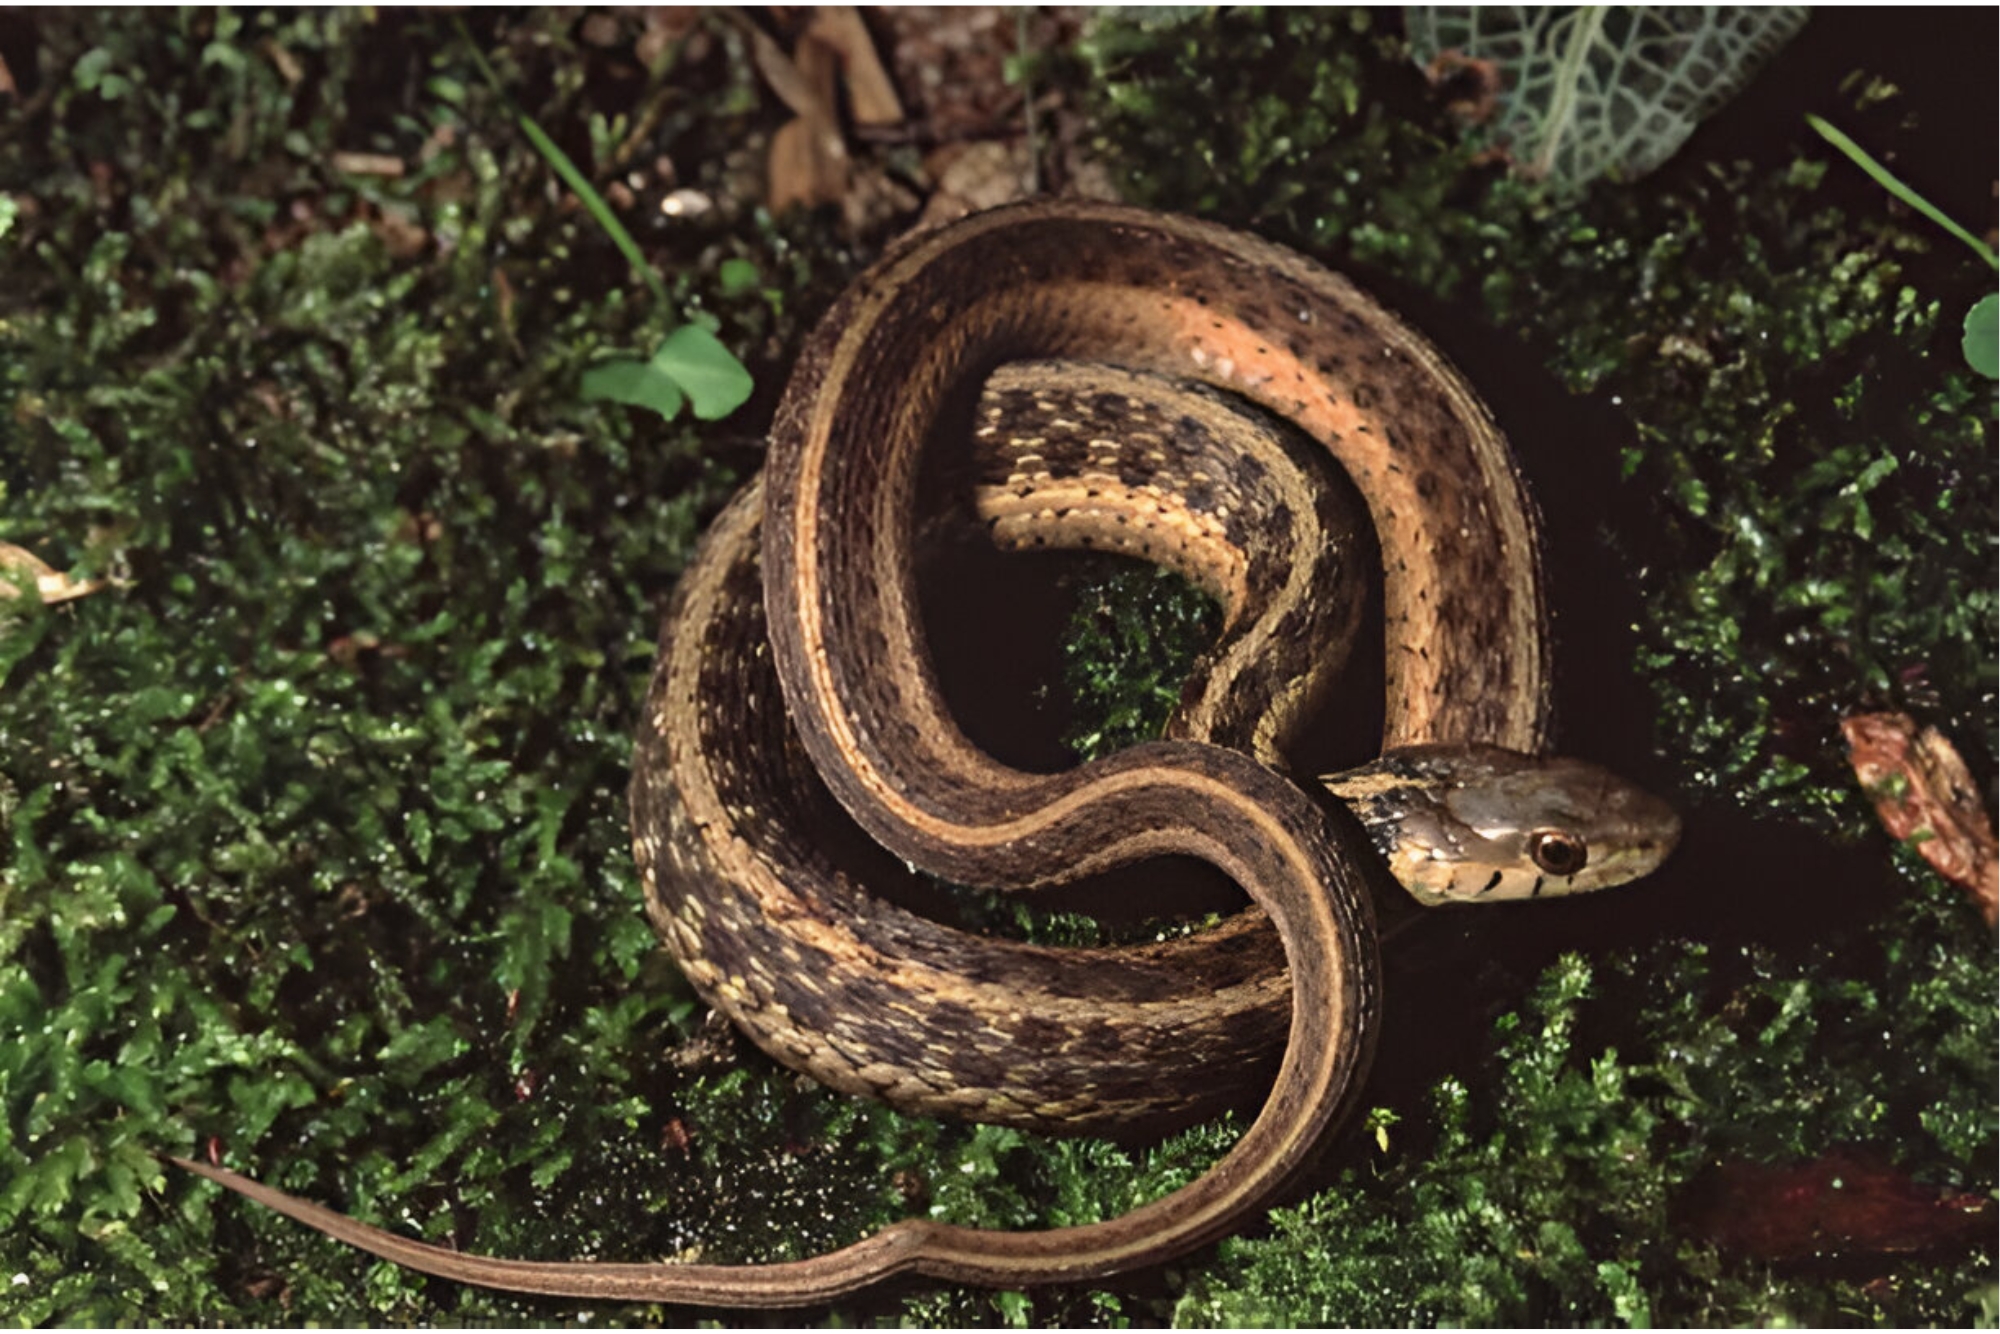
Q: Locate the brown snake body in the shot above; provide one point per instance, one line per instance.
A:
(875, 1000)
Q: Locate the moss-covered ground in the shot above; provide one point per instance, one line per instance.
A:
(315, 849)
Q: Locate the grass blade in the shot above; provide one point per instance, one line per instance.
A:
(1888, 181)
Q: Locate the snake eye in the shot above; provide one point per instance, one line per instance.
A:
(1556, 852)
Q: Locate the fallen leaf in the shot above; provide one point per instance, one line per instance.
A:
(870, 94)
(1839, 1205)
(808, 163)
(284, 62)
(1924, 795)
(786, 79)
(51, 584)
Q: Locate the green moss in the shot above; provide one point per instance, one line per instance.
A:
(1824, 468)
(315, 828)
(1130, 643)
(1559, 1196)
(316, 823)
(1808, 499)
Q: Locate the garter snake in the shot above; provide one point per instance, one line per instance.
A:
(793, 675)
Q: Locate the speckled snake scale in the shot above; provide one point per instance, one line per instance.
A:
(794, 698)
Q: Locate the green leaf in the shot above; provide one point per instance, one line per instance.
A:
(639, 383)
(714, 379)
(1982, 336)
(1604, 89)
(91, 67)
(225, 54)
(737, 276)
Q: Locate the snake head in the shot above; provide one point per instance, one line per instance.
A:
(1476, 824)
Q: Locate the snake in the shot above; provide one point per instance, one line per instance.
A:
(795, 707)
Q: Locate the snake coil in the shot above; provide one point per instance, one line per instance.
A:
(875, 1001)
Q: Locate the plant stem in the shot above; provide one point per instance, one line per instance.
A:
(1887, 181)
(593, 202)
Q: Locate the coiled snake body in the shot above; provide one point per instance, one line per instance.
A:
(734, 831)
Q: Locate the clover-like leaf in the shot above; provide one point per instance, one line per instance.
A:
(709, 373)
(639, 383)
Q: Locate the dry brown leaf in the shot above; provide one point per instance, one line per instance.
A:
(870, 94)
(818, 66)
(51, 584)
(785, 78)
(7, 79)
(1924, 795)
(1843, 1204)
(802, 171)
(284, 62)
(789, 170)
(809, 163)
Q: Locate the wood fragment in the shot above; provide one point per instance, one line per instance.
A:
(368, 164)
